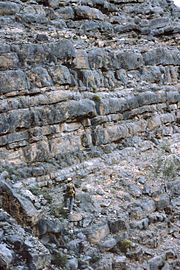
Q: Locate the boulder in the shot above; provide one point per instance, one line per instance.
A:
(118, 224)
(107, 244)
(156, 263)
(72, 264)
(8, 61)
(120, 262)
(162, 202)
(36, 253)
(6, 257)
(20, 207)
(97, 232)
(9, 8)
(85, 12)
(13, 80)
(162, 56)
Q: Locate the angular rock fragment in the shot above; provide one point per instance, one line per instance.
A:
(8, 8)
(36, 254)
(156, 262)
(120, 262)
(118, 224)
(8, 60)
(18, 206)
(6, 257)
(21, 248)
(97, 233)
(13, 80)
(107, 244)
(85, 12)
(33, 14)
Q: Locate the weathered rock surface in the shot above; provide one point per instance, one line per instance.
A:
(89, 89)
(20, 248)
(18, 206)
(76, 78)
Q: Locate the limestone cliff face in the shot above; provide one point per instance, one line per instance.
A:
(78, 77)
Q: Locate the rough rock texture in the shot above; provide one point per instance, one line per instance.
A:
(18, 205)
(18, 248)
(77, 77)
(91, 89)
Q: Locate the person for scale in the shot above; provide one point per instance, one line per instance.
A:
(69, 194)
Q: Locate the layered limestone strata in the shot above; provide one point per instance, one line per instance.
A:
(78, 77)
(89, 88)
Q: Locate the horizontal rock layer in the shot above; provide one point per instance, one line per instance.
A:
(76, 79)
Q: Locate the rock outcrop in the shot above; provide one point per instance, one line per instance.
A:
(18, 205)
(90, 90)
(79, 77)
(19, 249)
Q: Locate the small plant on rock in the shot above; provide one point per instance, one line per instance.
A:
(165, 146)
(167, 166)
(35, 190)
(47, 197)
(60, 260)
(96, 98)
(59, 212)
(42, 191)
(170, 166)
(124, 245)
(94, 88)
(95, 258)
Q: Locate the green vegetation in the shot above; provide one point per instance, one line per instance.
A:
(167, 163)
(59, 212)
(47, 196)
(96, 98)
(10, 170)
(60, 260)
(124, 245)
(42, 191)
(165, 146)
(167, 166)
(35, 190)
(94, 88)
(95, 258)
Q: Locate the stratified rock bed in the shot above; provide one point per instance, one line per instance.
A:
(90, 90)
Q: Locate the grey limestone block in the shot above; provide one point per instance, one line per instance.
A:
(162, 56)
(8, 8)
(6, 256)
(8, 61)
(13, 80)
(85, 12)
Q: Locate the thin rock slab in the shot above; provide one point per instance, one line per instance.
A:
(6, 257)
(21, 208)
